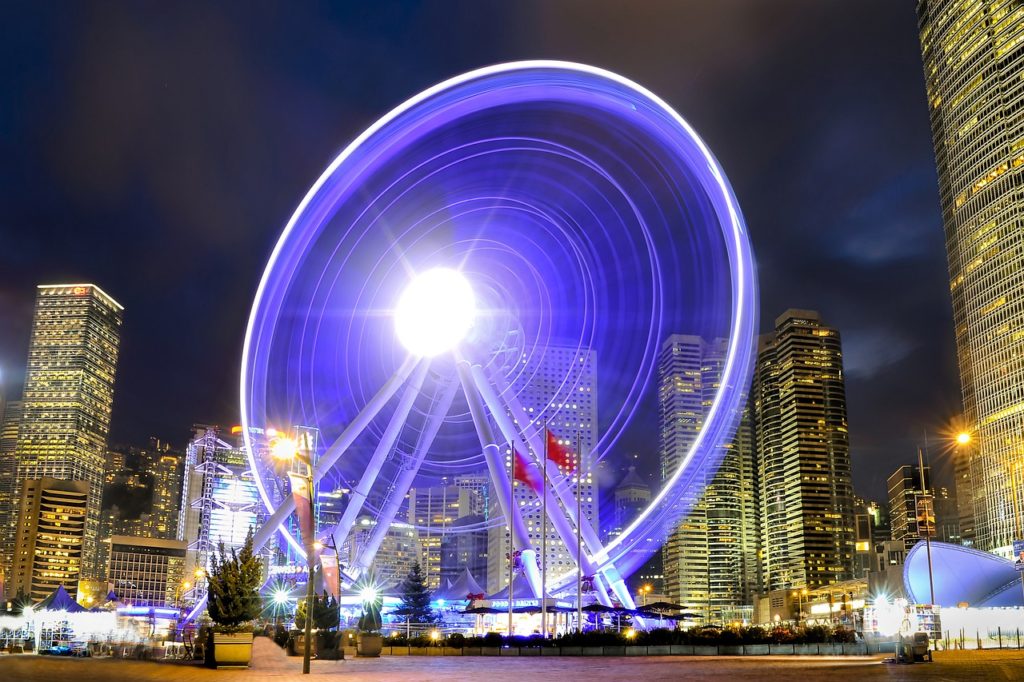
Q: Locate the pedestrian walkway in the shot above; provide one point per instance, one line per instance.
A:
(270, 664)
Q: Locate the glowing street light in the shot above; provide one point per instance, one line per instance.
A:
(963, 438)
(435, 312)
(281, 597)
(644, 591)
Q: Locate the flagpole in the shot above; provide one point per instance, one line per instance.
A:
(511, 546)
(544, 540)
(579, 535)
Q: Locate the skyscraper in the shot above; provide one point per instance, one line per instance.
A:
(433, 510)
(50, 536)
(904, 489)
(803, 450)
(69, 393)
(8, 489)
(557, 386)
(973, 58)
(165, 470)
(219, 499)
(710, 560)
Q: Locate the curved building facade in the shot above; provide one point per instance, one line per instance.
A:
(973, 56)
(961, 575)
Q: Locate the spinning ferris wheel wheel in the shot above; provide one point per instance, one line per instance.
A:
(442, 256)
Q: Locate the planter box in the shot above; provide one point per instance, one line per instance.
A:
(704, 650)
(369, 644)
(490, 651)
(805, 649)
(451, 651)
(730, 650)
(472, 651)
(231, 650)
(592, 651)
(550, 651)
(529, 651)
(419, 651)
(677, 649)
(572, 651)
(511, 651)
(614, 651)
(781, 649)
(755, 649)
(638, 651)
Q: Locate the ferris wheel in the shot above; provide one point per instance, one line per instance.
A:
(444, 254)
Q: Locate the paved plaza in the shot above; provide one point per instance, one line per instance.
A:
(270, 664)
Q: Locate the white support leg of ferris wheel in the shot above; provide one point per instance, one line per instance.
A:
(496, 383)
(435, 418)
(380, 453)
(519, 539)
(339, 446)
(554, 511)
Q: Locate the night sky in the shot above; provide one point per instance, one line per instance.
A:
(157, 149)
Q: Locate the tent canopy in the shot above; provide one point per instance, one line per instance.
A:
(460, 588)
(60, 600)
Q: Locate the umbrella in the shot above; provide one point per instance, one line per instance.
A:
(599, 608)
(662, 606)
(484, 609)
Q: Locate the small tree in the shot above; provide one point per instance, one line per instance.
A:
(325, 612)
(233, 584)
(416, 597)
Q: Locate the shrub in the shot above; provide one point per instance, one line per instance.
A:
(492, 639)
(456, 640)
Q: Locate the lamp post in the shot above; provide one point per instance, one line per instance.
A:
(286, 449)
(644, 591)
(800, 594)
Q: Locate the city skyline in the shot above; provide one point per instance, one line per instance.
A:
(883, 233)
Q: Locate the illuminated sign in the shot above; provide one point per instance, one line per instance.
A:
(80, 291)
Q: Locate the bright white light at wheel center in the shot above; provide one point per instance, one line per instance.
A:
(434, 312)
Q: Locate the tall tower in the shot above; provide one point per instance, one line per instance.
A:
(558, 385)
(8, 489)
(973, 59)
(49, 537)
(69, 392)
(710, 560)
(806, 492)
(904, 489)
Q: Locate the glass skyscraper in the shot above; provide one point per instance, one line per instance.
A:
(710, 559)
(68, 396)
(803, 455)
(973, 56)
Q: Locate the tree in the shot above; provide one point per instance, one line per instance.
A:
(325, 612)
(416, 597)
(234, 584)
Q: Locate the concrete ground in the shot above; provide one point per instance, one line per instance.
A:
(270, 663)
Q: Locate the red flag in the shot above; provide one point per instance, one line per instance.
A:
(526, 472)
(304, 511)
(330, 566)
(559, 454)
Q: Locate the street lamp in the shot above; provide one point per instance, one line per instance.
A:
(644, 591)
(286, 449)
(800, 594)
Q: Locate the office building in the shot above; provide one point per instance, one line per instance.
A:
(49, 538)
(398, 551)
(803, 466)
(973, 54)
(433, 510)
(147, 571)
(709, 561)
(219, 499)
(8, 490)
(165, 469)
(904, 491)
(69, 393)
(556, 386)
(631, 496)
(465, 547)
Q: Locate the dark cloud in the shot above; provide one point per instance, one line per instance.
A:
(157, 149)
